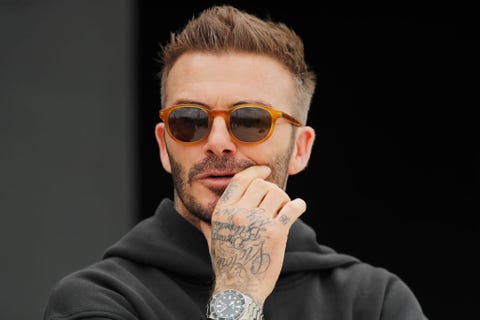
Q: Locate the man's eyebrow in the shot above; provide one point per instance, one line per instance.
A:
(187, 102)
(190, 102)
(252, 102)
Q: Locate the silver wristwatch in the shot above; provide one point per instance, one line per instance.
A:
(233, 305)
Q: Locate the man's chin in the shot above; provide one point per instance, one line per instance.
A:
(217, 191)
(203, 204)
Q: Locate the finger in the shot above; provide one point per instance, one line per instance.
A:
(206, 229)
(240, 182)
(291, 211)
(255, 193)
(274, 201)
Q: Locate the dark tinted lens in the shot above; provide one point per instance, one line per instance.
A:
(188, 124)
(250, 124)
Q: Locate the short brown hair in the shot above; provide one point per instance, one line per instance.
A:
(225, 28)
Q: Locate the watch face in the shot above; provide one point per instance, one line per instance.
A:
(227, 305)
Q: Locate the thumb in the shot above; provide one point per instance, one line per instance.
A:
(206, 229)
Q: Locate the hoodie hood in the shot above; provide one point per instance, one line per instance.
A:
(169, 242)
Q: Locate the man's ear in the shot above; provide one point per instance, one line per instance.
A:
(160, 135)
(302, 150)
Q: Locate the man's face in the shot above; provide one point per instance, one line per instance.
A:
(202, 171)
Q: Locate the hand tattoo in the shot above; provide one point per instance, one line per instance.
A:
(239, 248)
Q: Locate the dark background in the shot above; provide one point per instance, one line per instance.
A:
(393, 177)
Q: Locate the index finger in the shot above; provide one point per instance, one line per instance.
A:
(240, 182)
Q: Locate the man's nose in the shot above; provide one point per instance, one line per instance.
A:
(219, 140)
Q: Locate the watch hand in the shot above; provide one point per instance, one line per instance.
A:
(221, 307)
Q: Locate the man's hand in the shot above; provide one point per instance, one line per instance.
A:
(248, 234)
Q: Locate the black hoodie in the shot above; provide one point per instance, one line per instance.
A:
(161, 270)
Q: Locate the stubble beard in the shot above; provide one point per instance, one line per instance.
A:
(194, 206)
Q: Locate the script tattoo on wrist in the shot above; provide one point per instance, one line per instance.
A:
(239, 251)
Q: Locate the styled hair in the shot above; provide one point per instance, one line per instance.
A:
(222, 29)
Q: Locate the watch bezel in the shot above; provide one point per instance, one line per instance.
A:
(213, 313)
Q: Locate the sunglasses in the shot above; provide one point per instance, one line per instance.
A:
(247, 123)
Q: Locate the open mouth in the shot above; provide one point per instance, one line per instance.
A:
(220, 176)
(216, 180)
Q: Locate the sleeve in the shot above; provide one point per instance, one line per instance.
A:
(400, 303)
(75, 297)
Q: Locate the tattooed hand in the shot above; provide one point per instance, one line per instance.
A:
(248, 234)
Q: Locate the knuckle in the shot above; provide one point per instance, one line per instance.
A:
(281, 195)
(259, 183)
(237, 219)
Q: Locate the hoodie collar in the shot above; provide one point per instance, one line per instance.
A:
(169, 242)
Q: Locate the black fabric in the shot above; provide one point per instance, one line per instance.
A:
(161, 269)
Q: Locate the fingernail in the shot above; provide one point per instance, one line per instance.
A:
(266, 168)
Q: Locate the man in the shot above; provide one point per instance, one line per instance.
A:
(235, 94)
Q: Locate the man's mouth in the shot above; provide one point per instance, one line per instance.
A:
(215, 179)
